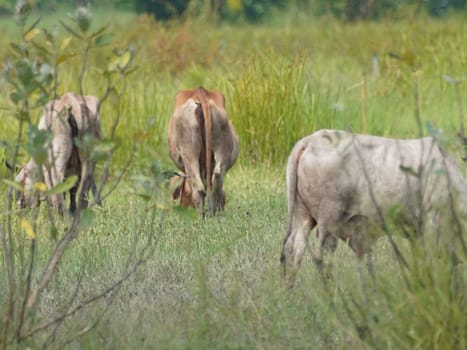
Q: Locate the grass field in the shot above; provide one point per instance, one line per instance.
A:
(217, 283)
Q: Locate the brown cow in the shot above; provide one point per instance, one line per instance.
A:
(203, 145)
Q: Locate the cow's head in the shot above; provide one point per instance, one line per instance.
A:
(182, 190)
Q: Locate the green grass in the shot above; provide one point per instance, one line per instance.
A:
(210, 284)
(217, 283)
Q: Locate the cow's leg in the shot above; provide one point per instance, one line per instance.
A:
(198, 191)
(218, 194)
(87, 173)
(296, 242)
(327, 243)
(95, 193)
(357, 232)
(73, 191)
(329, 222)
(59, 155)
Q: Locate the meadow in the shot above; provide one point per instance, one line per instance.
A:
(217, 283)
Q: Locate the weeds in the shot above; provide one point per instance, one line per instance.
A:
(216, 284)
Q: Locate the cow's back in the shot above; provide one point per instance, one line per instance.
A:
(349, 185)
(353, 174)
(84, 110)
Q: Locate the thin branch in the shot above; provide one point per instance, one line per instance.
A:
(87, 302)
(384, 225)
(53, 262)
(52, 336)
(146, 252)
(28, 282)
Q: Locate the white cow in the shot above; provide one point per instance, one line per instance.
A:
(348, 184)
(69, 117)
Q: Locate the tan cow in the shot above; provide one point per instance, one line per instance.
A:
(69, 117)
(349, 185)
(203, 145)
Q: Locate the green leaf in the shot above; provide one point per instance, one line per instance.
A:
(120, 62)
(49, 35)
(15, 97)
(34, 24)
(65, 43)
(64, 57)
(31, 34)
(19, 49)
(25, 71)
(98, 32)
(395, 212)
(14, 184)
(42, 49)
(64, 186)
(22, 115)
(28, 229)
(103, 40)
(36, 143)
(103, 150)
(143, 186)
(71, 31)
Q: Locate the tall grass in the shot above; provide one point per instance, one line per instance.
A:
(281, 82)
(217, 283)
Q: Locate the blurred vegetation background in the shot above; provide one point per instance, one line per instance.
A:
(255, 10)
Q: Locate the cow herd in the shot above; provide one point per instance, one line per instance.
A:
(346, 185)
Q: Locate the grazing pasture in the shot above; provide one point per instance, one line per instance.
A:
(217, 283)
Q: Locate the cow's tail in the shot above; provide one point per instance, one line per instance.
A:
(291, 181)
(73, 124)
(208, 137)
(74, 162)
